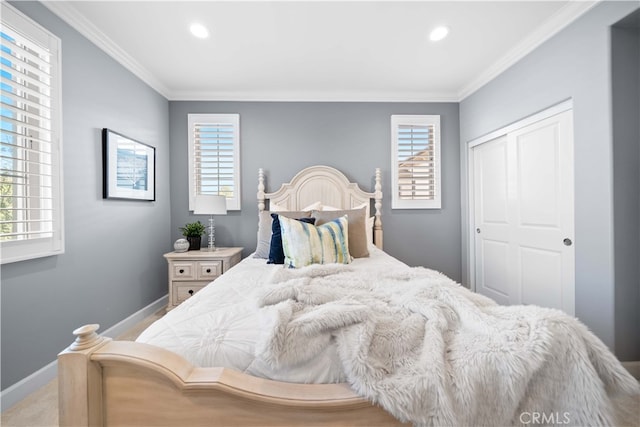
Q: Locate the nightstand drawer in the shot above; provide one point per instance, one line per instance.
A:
(184, 290)
(193, 270)
(209, 269)
(183, 270)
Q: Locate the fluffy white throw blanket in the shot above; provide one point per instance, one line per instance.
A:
(433, 353)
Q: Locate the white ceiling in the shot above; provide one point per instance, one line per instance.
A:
(318, 50)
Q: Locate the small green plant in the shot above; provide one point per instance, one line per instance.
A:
(193, 229)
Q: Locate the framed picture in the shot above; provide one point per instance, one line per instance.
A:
(128, 168)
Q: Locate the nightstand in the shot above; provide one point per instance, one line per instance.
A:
(193, 270)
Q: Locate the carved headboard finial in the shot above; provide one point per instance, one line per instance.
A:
(86, 337)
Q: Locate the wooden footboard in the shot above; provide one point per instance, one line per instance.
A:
(120, 383)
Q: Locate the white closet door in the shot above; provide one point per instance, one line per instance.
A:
(493, 230)
(523, 194)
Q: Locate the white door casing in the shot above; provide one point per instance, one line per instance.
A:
(522, 213)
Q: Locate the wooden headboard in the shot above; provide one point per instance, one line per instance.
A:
(326, 185)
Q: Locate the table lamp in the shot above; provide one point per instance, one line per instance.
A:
(211, 205)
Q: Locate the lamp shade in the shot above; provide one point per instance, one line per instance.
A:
(210, 205)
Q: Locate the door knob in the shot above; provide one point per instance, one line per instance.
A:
(567, 242)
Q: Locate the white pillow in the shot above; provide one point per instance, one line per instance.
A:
(333, 208)
(328, 208)
(312, 206)
(274, 207)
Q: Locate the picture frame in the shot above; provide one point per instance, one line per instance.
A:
(129, 168)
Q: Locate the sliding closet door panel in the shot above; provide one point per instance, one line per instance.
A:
(544, 204)
(492, 220)
(523, 213)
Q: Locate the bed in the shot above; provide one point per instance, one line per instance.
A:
(335, 344)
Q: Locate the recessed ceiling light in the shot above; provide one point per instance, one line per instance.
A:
(438, 33)
(199, 31)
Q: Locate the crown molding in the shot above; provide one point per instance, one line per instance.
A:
(552, 26)
(80, 23)
(312, 96)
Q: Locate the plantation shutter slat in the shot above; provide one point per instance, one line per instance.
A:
(30, 176)
(24, 76)
(39, 116)
(23, 93)
(30, 52)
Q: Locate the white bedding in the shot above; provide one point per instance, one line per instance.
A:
(219, 326)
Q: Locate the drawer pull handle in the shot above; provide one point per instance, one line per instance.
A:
(181, 271)
(190, 291)
(208, 270)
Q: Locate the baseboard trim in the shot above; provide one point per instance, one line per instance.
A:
(633, 368)
(18, 391)
(128, 323)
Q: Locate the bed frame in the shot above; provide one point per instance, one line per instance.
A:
(104, 382)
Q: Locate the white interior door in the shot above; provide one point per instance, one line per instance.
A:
(493, 230)
(523, 215)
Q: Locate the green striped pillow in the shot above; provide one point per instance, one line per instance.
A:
(306, 244)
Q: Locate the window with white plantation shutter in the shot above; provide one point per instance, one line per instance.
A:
(415, 162)
(214, 157)
(31, 223)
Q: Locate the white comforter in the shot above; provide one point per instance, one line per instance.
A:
(220, 325)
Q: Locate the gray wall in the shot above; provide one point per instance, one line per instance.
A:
(113, 263)
(283, 138)
(573, 64)
(625, 69)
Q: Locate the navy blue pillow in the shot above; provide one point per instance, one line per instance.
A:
(276, 253)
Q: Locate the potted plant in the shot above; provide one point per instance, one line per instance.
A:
(193, 233)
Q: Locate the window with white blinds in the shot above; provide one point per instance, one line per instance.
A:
(31, 223)
(214, 157)
(415, 162)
